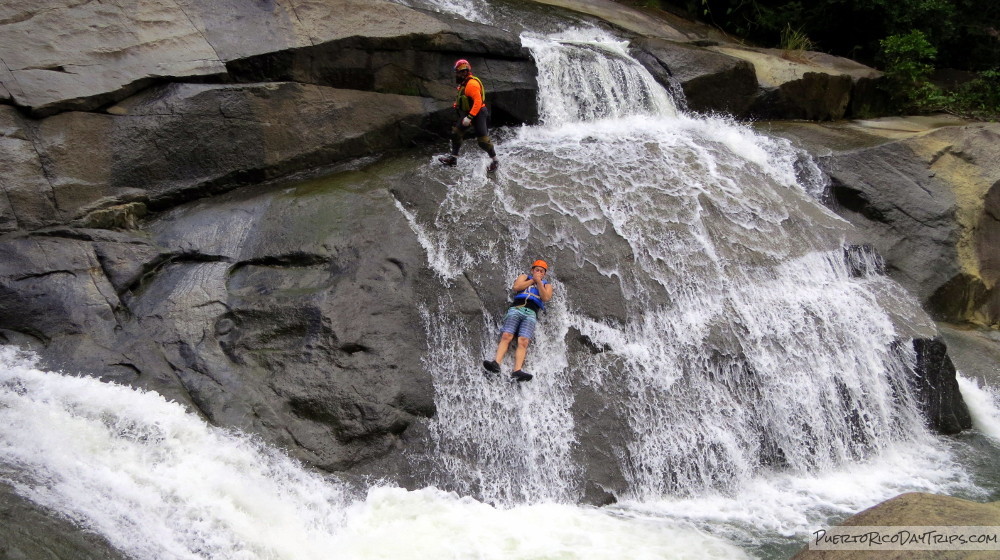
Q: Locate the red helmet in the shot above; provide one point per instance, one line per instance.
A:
(462, 64)
(541, 263)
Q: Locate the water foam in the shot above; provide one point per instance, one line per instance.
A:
(159, 483)
(156, 481)
(430, 524)
(796, 504)
(587, 75)
(984, 405)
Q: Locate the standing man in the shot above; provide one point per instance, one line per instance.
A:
(472, 114)
(530, 294)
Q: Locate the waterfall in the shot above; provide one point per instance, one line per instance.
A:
(759, 381)
(586, 75)
(749, 344)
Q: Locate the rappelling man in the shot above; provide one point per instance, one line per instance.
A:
(531, 292)
(473, 115)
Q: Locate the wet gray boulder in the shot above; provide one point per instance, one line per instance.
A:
(930, 202)
(28, 532)
(937, 388)
(184, 141)
(891, 190)
(56, 62)
(924, 192)
(711, 82)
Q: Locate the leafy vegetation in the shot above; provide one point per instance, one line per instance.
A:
(908, 66)
(908, 39)
(978, 98)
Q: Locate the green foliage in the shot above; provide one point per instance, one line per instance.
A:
(908, 65)
(795, 40)
(979, 98)
(908, 61)
(954, 34)
(963, 31)
(911, 54)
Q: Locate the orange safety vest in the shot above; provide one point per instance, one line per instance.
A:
(471, 97)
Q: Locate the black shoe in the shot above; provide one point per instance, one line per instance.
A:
(450, 161)
(491, 366)
(521, 375)
(493, 166)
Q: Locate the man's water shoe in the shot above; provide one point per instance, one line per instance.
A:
(521, 375)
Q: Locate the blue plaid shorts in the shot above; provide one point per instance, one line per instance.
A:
(519, 321)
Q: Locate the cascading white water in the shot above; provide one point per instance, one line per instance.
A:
(155, 481)
(158, 483)
(494, 439)
(748, 343)
(585, 75)
(472, 10)
(981, 401)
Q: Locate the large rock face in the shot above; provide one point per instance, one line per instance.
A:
(75, 55)
(80, 56)
(145, 150)
(925, 192)
(806, 85)
(291, 316)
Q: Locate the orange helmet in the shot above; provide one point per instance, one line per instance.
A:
(462, 64)
(542, 264)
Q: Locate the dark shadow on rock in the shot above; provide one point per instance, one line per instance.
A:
(937, 389)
